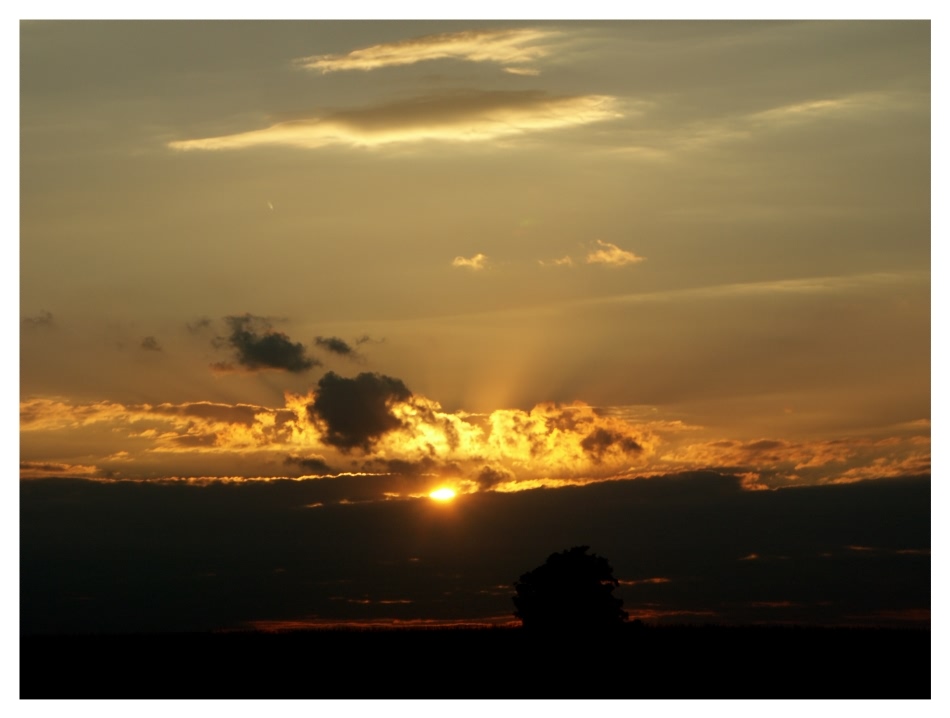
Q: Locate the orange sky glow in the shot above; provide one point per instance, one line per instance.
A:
(347, 265)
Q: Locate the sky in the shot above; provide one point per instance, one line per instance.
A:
(660, 288)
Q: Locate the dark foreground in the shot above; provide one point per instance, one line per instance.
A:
(640, 662)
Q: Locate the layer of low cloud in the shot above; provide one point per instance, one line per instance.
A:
(396, 432)
(311, 464)
(462, 116)
(511, 48)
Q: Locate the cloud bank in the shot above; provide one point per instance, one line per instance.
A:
(374, 424)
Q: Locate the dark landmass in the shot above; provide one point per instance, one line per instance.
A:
(638, 662)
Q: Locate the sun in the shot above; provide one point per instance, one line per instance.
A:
(443, 494)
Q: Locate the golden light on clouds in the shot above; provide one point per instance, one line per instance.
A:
(611, 254)
(504, 47)
(475, 262)
(550, 445)
(462, 116)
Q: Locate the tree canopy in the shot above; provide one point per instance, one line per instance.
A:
(572, 590)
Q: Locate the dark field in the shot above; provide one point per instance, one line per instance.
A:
(639, 662)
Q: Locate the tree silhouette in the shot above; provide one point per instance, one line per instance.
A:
(571, 591)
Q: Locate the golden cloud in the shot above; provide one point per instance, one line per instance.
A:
(550, 445)
(464, 116)
(612, 255)
(505, 47)
(477, 262)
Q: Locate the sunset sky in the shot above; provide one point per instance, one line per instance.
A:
(571, 271)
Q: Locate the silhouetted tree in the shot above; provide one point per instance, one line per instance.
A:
(571, 591)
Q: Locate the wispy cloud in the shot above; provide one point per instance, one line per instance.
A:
(45, 469)
(337, 346)
(612, 254)
(42, 320)
(504, 47)
(463, 116)
(670, 141)
(564, 261)
(529, 71)
(477, 262)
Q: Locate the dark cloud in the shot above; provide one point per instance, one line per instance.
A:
(357, 411)
(151, 344)
(764, 445)
(426, 466)
(601, 440)
(199, 325)
(258, 347)
(195, 440)
(228, 413)
(42, 320)
(312, 464)
(336, 346)
(490, 476)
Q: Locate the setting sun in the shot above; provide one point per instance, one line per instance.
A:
(443, 494)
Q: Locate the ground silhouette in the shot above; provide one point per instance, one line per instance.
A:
(570, 592)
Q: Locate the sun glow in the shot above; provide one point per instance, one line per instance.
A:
(443, 494)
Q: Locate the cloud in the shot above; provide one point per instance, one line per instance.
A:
(43, 469)
(504, 47)
(676, 140)
(612, 254)
(601, 442)
(357, 411)
(490, 476)
(564, 261)
(460, 116)
(43, 320)
(150, 344)
(768, 463)
(258, 347)
(312, 464)
(527, 71)
(411, 436)
(477, 262)
(199, 325)
(336, 345)
(424, 466)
